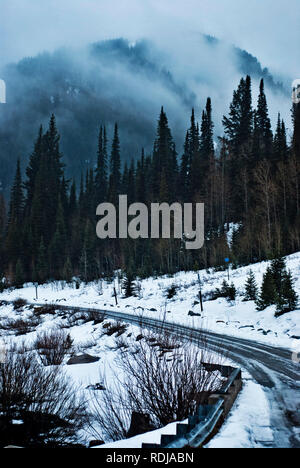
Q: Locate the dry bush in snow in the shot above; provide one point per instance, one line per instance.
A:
(52, 346)
(162, 376)
(38, 405)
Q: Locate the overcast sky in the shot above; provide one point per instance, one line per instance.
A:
(269, 29)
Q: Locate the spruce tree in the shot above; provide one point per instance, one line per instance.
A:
(206, 135)
(164, 160)
(264, 124)
(278, 269)
(115, 168)
(238, 129)
(287, 299)
(268, 294)
(280, 147)
(48, 188)
(250, 287)
(13, 244)
(239, 124)
(195, 164)
(129, 283)
(102, 168)
(32, 169)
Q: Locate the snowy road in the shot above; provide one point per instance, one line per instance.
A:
(272, 368)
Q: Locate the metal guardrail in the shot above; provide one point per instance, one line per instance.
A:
(202, 425)
(202, 431)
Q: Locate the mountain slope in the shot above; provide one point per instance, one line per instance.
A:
(112, 81)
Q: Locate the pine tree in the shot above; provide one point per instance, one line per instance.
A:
(47, 190)
(239, 124)
(194, 160)
(164, 160)
(206, 136)
(15, 218)
(250, 287)
(287, 299)
(129, 284)
(264, 124)
(238, 129)
(268, 294)
(280, 147)
(278, 269)
(207, 163)
(32, 169)
(115, 169)
(101, 169)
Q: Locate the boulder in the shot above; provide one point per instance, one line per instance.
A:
(193, 314)
(140, 423)
(82, 359)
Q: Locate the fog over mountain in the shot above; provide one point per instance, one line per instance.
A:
(126, 82)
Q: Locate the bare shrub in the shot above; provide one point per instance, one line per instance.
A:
(19, 303)
(115, 327)
(20, 326)
(162, 377)
(82, 317)
(52, 346)
(45, 310)
(38, 406)
(171, 291)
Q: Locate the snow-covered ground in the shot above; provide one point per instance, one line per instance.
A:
(237, 318)
(248, 425)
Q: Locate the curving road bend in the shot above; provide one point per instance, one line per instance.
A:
(271, 367)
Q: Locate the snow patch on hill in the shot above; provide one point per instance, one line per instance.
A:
(237, 318)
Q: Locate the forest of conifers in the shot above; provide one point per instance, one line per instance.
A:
(249, 177)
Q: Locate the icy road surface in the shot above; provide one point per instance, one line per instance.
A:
(272, 368)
